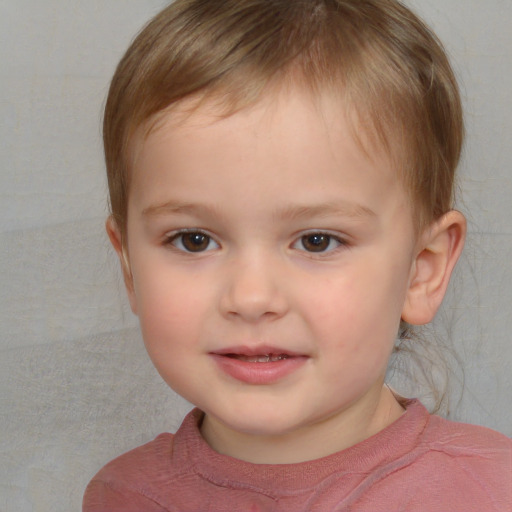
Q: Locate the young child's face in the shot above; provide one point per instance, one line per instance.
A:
(270, 260)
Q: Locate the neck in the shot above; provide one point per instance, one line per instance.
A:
(332, 434)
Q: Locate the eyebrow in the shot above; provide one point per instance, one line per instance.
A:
(171, 207)
(340, 208)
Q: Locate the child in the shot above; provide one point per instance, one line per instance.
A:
(281, 177)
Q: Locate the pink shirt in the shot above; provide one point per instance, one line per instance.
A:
(418, 463)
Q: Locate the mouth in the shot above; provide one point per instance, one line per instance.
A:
(257, 354)
(258, 365)
(260, 358)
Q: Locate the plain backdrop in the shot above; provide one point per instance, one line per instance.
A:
(76, 387)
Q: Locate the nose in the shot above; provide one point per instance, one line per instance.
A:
(254, 290)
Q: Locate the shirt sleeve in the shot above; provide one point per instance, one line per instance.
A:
(103, 497)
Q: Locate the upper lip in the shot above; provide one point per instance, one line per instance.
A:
(256, 350)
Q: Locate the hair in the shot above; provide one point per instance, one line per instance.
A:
(387, 65)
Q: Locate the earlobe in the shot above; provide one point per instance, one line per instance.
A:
(116, 239)
(439, 249)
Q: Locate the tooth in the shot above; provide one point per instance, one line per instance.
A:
(255, 359)
(263, 358)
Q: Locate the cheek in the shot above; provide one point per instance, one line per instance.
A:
(358, 315)
(172, 313)
(170, 309)
(358, 335)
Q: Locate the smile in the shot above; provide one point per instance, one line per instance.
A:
(258, 365)
(266, 358)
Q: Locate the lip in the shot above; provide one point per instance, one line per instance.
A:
(258, 373)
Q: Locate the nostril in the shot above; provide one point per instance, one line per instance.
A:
(253, 305)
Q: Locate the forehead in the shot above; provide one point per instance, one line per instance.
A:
(288, 148)
(322, 116)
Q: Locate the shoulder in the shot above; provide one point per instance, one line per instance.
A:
(447, 466)
(454, 439)
(475, 442)
(132, 480)
(475, 462)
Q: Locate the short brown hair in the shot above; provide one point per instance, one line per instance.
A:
(383, 59)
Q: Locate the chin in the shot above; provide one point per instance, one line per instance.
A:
(263, 423)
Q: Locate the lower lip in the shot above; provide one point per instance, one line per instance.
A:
(259, 373)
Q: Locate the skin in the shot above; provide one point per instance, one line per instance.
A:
(255, 187)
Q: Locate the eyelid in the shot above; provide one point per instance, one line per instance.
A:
(184, 231)
(341, 237)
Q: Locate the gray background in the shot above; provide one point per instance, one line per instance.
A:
(76, 387)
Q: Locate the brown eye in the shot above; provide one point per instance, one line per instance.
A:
(316, 242)
(194, 241)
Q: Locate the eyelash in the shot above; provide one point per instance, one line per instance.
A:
(176, 240)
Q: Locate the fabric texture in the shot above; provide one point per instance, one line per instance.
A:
(420, 462)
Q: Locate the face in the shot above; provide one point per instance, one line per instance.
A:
(270, 259)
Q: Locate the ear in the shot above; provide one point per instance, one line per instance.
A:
(440, 246)
(116, 239)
